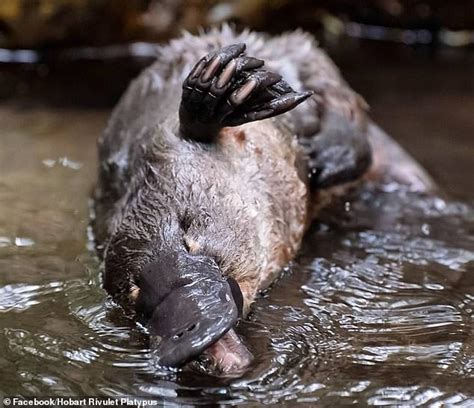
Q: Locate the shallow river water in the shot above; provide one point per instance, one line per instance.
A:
(376, 310)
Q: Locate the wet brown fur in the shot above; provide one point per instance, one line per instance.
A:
(243, 200)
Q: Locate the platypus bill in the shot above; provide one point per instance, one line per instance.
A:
(202, 198)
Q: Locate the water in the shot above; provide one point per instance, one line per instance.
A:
(377, 309)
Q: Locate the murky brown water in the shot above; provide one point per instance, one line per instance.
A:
(377, 310)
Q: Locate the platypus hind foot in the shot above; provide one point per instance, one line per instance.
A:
(228, 88)
(339, 154)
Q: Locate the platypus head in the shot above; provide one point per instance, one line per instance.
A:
(190, 308)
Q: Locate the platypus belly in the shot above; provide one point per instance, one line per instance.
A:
(211, 168)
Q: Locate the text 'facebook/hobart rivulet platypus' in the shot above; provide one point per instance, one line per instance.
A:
(212, 167)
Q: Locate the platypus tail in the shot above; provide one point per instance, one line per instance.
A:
(229, 88)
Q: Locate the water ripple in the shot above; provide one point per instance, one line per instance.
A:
(377, 310)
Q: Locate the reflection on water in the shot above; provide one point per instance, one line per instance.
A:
(376, 310)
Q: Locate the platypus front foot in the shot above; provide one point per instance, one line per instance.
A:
(229, 88)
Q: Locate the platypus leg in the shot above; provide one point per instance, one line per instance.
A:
(339, 152)
(228, 88)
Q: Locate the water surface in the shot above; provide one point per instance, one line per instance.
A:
(377, 309)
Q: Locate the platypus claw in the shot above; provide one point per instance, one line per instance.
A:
(229, 88)
(206, 72)
(269, 109)
(187, 304)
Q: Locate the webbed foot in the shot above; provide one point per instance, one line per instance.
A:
(339, 154)
(229, 88)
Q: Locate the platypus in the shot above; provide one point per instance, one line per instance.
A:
(212, 167)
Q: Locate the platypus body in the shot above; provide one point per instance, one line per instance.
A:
(212, 167)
